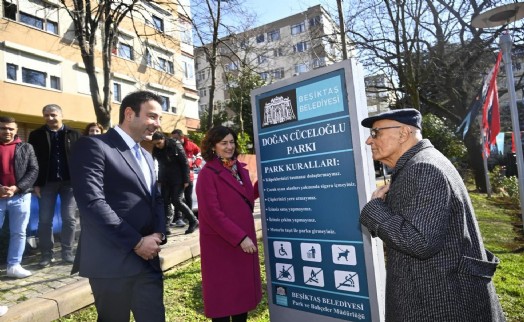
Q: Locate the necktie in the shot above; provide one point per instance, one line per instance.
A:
(143, 165)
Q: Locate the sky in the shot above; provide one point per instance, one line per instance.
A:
(271, 10)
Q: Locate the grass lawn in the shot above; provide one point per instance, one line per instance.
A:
(501, 227)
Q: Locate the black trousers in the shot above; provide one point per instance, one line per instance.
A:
(141, 294)
(234, 318)
(174, 194)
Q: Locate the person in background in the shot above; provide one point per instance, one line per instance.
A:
(173, 175)
(52, 144)
(194, 160)
(230, 267)
(437, 266)
(122, 215)
(18, 172)
(93, 128)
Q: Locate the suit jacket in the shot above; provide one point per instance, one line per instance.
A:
(437, 267)
(116, 207)
(230, 278)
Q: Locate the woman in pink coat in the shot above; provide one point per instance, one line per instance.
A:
(231, 283)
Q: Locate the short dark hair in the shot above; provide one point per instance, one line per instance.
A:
(213, 136)
(7, 119)
(90, 125)
(158, 136)
(134, 101)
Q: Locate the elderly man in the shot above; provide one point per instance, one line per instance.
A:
(437, 266)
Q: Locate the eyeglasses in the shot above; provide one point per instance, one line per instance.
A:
(374, 131)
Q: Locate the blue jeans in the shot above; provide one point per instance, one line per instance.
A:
(18, 208)
(47, 203)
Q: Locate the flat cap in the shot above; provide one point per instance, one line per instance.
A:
(408, 116)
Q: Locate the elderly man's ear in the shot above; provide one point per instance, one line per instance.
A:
(405, 133)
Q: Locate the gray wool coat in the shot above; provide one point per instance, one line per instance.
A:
(437, 266)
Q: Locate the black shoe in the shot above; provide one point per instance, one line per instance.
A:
(68, 258)
(192, 227)
(46, 261)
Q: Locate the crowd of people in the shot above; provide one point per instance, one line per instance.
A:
(437, 267)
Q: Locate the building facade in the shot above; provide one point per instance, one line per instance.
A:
(280, 50)
(40, 63)
(276, 51)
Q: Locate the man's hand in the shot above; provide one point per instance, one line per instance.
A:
(149, 247)
(381, 192)
(248, 246)
(11, 191)
(36, 191)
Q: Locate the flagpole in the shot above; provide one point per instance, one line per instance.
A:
(505, 43)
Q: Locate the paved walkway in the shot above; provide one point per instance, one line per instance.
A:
(52, 292)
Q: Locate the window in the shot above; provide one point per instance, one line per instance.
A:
(202, 92)
(277, 73)
(277, 52)
(10, 10)
(301, 68)
(165, 104)
(231, 66)
(159, 61)
(300, 47)
(261, 59)
(298, 28)
(31, 20)
(263, 75)
(203, 107)
(319, 62)
(12, 70)
(55, 82)
(158, 23)
(34, 77)
(186, 35)
(117, 92)
(260, 38)
(32, 68)
(273, 35)
(188, 70)
(35, 14)
(201, 75)
(125, 51)
(315, 21)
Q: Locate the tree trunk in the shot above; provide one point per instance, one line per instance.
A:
(475, 161)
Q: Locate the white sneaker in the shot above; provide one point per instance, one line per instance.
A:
(3, 310)
(17, 271)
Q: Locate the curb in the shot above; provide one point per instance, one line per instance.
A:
(73, 297)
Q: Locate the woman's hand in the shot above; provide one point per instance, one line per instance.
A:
(248, 246)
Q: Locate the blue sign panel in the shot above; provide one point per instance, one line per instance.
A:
(310, 198)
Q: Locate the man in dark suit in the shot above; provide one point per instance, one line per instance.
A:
(122, 215)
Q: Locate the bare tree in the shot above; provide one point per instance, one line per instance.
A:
(88, 19)
(430, 51)
(210, 23)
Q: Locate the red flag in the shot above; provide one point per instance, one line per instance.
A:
(490, 110)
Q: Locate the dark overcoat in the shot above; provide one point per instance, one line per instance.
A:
(230, 278)
(437, 266)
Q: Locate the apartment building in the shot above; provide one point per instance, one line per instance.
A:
(276, 51)
(40, 63)
(379, 95)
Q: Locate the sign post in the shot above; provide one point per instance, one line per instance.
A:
(315, 174)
